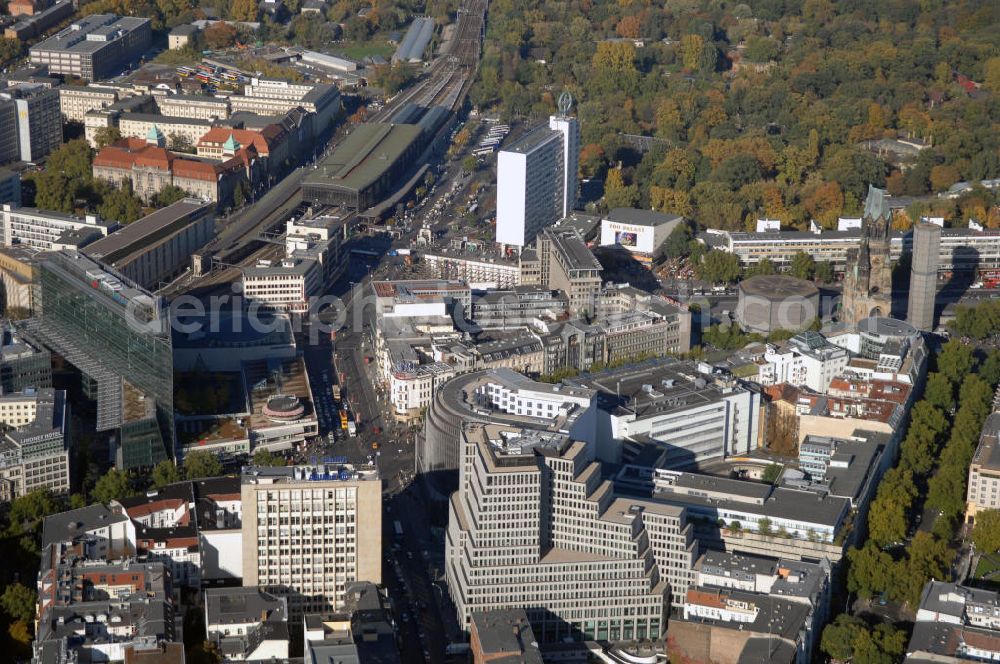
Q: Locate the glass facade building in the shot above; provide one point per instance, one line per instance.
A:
(118, 336)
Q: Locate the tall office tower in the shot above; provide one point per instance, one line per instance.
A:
(923, 275)
(309, 532)
(117, 335)
(536, 180)
(36, 124)
(534, 525)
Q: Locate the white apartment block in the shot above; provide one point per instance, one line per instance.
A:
(534, 525)
(310, 531)
(807, 359)
(536, 181)
(44, 229)
(411, 388)
(497, 274)
(76, 101)
(139, 125)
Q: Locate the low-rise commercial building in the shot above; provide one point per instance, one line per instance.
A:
(94, 47)
(641, 232)
(503, 635)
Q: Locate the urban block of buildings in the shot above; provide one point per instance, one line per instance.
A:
(94, 47)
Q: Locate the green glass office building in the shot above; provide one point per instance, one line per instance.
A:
(118, 336)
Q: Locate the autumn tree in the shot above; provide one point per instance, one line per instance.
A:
(221, 35)
(691, 47)
(630, 27)
(616, 193)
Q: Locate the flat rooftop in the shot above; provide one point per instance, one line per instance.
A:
(364, 155)
(533, 140)
(572, 247)
(75, 39)
(641, 217)
(143, 233)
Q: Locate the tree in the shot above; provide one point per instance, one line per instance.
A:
(470, 164)
(222, 35)
(27, 511)
(181, 143)
(691, 46)
(678, 242)
(930, 558)
(199, 464)
(242, 10)
(264, 457)
(869, 570)
(824, 272)
(616, 193)
(18, 601)
(169, 195)
(164, 473)
(113, 485)
(803, 266)
(989, 370)
(839, 637)
(939, 391)
(986, 532)
(106, 136)
(719, 267)
(764, 526)
(121, 205)
(955, 360)
(761, 49)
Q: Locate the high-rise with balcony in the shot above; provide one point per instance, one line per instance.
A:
(536, 180)
(534, 524)
(311, 531)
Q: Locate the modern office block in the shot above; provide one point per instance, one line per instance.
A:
(117, 335)
(533, 524)
(923, 275)
(536, 181)
(48, 230)
(311, 531)
(568, 265)
(94, 47)
(30, 120)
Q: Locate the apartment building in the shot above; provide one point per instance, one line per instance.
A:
(247, 624)
(94, 47)
(48, 230)
(983, 492)
(568, 265)
(518, 307)
(955, 623)
(34, 451)
(76, 101)
(494, 273)
(534, 525)
(807, 359)
(536, 181)
(310, 531)
(193, 106)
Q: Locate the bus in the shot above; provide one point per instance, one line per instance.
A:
(482, 152)
(343, 420)
(336, 393)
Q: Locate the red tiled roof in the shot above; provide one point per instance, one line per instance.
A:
(703, 598)
(245, 137)
(130, 152)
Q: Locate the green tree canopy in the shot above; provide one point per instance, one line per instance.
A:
(986, 532)
(199, 464)
(113, 485)
(164, 473)
(18, 602)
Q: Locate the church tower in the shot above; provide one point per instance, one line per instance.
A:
(868, 276)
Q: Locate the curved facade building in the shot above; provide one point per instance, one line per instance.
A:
(497, 396)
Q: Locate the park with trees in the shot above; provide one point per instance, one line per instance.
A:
(786, 141)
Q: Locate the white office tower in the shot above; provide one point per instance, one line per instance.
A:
(534, 525)
(536, 180)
